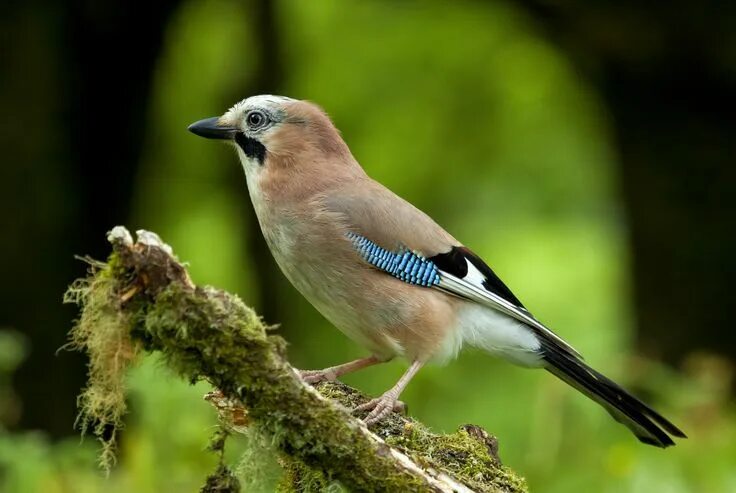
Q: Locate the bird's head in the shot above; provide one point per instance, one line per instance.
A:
(276, 134)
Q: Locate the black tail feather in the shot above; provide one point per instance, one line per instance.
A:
(649, 426)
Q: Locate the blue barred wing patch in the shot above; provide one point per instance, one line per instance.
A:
(406, 265)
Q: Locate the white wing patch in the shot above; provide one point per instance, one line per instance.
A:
(469, 290)
(474, 276)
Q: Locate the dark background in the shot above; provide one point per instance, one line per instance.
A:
(586, 149)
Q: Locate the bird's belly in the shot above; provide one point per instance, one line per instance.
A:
(363, 320)
(498, 334)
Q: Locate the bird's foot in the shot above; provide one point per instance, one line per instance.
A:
(381, 407)
(316, 376)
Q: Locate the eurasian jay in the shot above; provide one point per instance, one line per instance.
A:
(382, 271)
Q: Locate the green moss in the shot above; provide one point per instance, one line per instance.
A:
(205, 333)
(461, 455)
(300, 478)
(208, 333)
(143, 299)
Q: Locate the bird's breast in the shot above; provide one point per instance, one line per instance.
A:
(378, 311)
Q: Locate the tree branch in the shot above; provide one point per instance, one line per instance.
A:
(143, 299)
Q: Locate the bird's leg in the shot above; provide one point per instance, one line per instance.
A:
(334, 372)
(381, 407)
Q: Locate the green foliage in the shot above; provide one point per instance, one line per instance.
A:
(466, 110)
(13, 350)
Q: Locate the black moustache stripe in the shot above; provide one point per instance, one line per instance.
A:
(251, 147)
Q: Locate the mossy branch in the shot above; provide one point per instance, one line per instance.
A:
(142, 299)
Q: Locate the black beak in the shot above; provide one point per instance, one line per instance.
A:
(210, 129)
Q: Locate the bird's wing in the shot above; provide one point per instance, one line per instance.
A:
(374, 212)
(399, 239)
(464, 274)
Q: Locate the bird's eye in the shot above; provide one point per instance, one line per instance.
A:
(256, 119)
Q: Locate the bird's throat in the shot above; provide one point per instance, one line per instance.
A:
(251, 147)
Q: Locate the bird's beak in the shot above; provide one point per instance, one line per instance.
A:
(210, 128)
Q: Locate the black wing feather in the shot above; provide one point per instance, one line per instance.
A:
(455, 262)
(649, 426)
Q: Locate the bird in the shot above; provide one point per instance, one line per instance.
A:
(382, 271)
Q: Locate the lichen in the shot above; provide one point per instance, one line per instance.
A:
(259, 466)
(103, 333)
(221, 481)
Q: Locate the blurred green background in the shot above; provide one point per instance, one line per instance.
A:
(585, 150)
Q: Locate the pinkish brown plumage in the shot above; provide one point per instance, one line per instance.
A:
(381, 270)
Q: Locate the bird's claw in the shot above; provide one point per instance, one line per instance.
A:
(380, 408)
(312, 377)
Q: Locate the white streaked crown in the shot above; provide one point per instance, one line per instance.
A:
(267, 101)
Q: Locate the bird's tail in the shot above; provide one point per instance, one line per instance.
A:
(649, 426)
